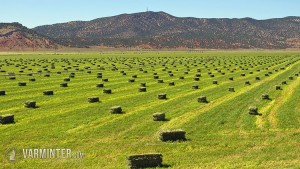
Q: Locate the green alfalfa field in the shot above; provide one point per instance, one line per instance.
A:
(220, 133)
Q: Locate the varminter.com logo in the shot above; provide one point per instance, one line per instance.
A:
(13, 155)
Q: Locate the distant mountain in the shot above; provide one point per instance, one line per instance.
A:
(161, 30)
(14, 36)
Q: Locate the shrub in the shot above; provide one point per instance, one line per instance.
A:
(144, 161)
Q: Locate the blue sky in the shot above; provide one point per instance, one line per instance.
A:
(33, 13)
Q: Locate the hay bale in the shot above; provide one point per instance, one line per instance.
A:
(171, 74)
(171, 83)
(159, 117)
(105, 80)
(257, 78)
(22, 83)
(247, 82)
(277, 87)
(32, 79)
(162, 96)
(283, 82)
(134, 76)
(253, 110)
(265, 97)
(143, 84)
(181, 77)
(67, 79)
(99, 85)
(7, 119)
(198, 75)
(212, 75)
(131, 80)
(93, 99)
(30, 104)
(144, 160)
(195, 87)
(116, 110)
(160, 81)
(172, 135)
(231, 89)
(291, 78)
(155, 77)
(99, 76)
(2, 92)
(142, 89)
(48, 92)
(47, 75)
(214, 82)
(12, 78)
(107, 91)
(230, 78)
(202, 99)
(196, 78)
(64, 85)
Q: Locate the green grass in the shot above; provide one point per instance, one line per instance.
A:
(221, 133)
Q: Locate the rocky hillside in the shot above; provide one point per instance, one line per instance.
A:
(159, 29)
(14, 36)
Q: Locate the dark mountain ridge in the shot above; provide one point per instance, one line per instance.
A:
(162, 30)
